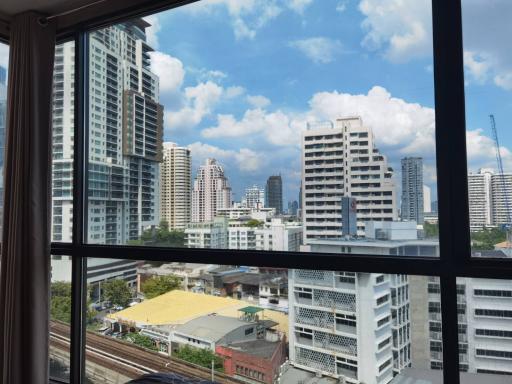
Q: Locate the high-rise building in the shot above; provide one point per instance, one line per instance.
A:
(293, 207)
(211, 192)
(501, 199)
(125, 136)
(484, 329)
(254, 197)
(339, 160)
(412, 189)
(479, 194)
(427, 199)
(175, 182)
(356, 326)
(274, 193)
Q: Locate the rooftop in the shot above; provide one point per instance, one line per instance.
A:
(260, 348)
(292, 375)
(211, 327)
(178, 307)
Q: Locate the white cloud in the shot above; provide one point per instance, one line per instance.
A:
(342, 6)
(246, 159)
(477, 68)
(277, 128)
(199, 102)
(153, 30)
(234, 92)
(402, 29)
(169, 70)
(320, 50)
(395, 122)
(247, 16)
(482, 153)
(299, 5)
(258, 101)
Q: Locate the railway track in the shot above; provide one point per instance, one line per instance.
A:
(132, 360)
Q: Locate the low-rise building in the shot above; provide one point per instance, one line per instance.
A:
(257, 360)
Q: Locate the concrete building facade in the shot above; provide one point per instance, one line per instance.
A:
(211, 192)
(480, 195)
(254, 197)
(175, 182)
(125, 136)
(412, 207)
(341, 159)
(274, 193)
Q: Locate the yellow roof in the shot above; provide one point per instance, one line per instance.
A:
(178, 307)
(503, 244)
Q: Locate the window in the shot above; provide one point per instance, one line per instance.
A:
(264, 117)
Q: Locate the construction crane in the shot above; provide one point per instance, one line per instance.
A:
(507, 225)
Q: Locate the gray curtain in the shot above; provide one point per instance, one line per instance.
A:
(25, 262)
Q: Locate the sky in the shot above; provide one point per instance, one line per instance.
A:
(239, 80)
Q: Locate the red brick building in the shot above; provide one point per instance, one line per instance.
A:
(258, 360)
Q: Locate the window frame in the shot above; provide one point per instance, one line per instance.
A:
(451, 164)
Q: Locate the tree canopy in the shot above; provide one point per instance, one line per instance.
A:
(117, 292)
(202, 357)
(140, 340)
(60, 303)
(158, 285)
(486, 238)
(161, 236)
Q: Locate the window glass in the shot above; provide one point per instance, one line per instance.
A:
(488, 86)
(310, 125)
(262, 323)
(60, 317)
(485, 329)
(63, 123)
(4, 61)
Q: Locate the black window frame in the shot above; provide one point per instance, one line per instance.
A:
(451, 163)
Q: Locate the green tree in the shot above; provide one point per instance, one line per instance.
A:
(60, 303)
(431, 230)
(162, 237)
(140, 340)
(486, 238)
(117, 292)
(158, 285)
(202, 357)
(253, 223)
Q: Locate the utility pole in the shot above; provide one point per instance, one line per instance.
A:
(213, 371)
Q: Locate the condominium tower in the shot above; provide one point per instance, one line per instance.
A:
(490, 199)
(175, 181)
(254, 197)
(340, 159)
(211, 192)
(412, 189)
(125, 133)
(274, 193)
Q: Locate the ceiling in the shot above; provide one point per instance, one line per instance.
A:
(12, 7)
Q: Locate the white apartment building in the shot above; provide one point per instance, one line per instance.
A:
(341, 325)
(125, 124)
(356, 326)
(275, 235)
(211, 234)
(211, 192)
(341, 159)
(427, 199)
(237, 211)
(484, 309)
(254, 197)
(175, 182)
(490, 198)
(480, 199)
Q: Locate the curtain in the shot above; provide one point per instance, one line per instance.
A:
(25, 262)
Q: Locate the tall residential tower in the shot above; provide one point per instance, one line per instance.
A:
(211, 192)
(339, 160)
(175, 181)
(412, 189)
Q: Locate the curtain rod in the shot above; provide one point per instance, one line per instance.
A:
(45, 20)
